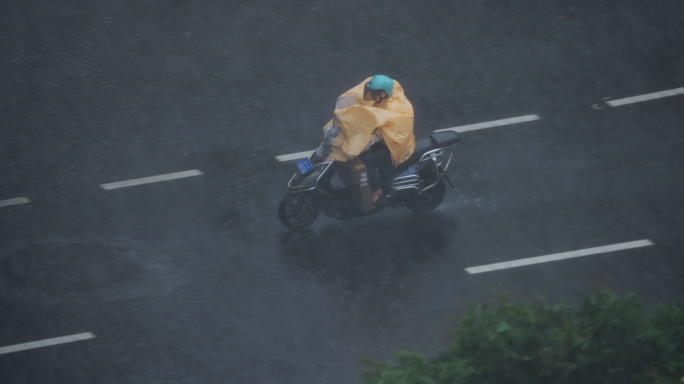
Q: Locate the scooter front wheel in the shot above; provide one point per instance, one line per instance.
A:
(297, 210)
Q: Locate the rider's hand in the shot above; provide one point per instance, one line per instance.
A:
(317, 159)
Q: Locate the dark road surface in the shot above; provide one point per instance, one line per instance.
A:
(196, 281)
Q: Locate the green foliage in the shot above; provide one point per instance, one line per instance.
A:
(605, 340)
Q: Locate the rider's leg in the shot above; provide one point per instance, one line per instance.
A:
(373, 159)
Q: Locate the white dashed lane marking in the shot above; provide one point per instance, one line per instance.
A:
(46, 343)
(294, 156)
(559, 256)
(491, 124)
(16, 201)
(463, 128)
(650, 96)
(152, 179)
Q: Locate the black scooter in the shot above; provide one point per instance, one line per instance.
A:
(418, 184)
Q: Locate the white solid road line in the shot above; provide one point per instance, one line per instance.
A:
(152, 179)
(559, 256)
(17, 201)
(294, 156)
(46, 343)
(490, 124)
(650, 96)
(463, 128)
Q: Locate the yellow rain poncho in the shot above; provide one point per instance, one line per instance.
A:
(358, 118)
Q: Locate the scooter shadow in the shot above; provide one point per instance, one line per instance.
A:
(358, 253)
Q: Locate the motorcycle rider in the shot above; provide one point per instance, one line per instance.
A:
(373, 121)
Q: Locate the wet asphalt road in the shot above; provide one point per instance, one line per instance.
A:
(196, 281)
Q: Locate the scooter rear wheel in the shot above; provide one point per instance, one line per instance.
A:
(430, 199)
(297, 211)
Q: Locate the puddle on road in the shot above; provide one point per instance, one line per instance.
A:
(70, 272)
(71, 267)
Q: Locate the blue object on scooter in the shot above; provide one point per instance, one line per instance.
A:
(304, 166)
(409, 172)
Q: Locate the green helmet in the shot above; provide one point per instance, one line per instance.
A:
(381, 83)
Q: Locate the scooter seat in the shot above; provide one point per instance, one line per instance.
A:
(444, 139)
